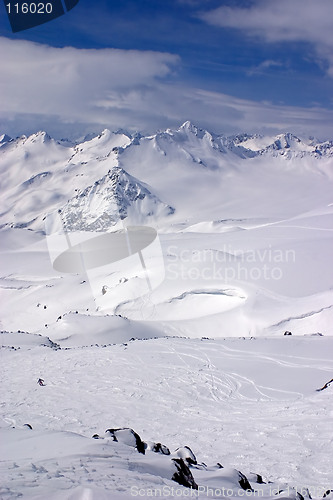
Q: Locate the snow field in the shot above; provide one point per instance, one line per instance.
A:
(250, 404)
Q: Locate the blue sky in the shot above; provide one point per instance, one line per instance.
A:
(228, 65)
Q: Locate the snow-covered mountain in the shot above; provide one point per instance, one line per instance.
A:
(242, 220)
(116, 196)
(93, 179)
(228, 358)
(83, 181)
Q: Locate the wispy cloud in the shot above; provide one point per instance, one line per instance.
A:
(283, 21)
(264, 66)
(71, 91)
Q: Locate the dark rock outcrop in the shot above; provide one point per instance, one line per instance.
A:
(243, 482)
(183, 475)
(160, 448)
(127, 436)
(186, 454)
(325, 386)
(255, 478)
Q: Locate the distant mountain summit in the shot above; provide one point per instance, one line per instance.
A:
(251, 145)
(287, 145)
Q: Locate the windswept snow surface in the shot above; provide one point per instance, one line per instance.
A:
(245, 228)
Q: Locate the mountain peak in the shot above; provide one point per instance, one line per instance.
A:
(114, 197)
(189, 126)
(41, 137)
(4, 138)
(106, 133)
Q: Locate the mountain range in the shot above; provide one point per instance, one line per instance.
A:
(92, 181)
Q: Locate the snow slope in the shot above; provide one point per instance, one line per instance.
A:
(248, 404)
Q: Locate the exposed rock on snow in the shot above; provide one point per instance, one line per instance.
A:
(180, 471)
(243, 482)
(183, 475)
(127, 436)
(184, 461)
(186, 454)
(158, 448)
(255, 478)
(326, 385)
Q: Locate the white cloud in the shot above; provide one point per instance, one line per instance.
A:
(66, 81)
(227, 113)
(70, 92)
(308, 21)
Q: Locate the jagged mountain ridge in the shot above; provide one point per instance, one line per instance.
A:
(90, 182)
(251, 145)
(255, 143)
